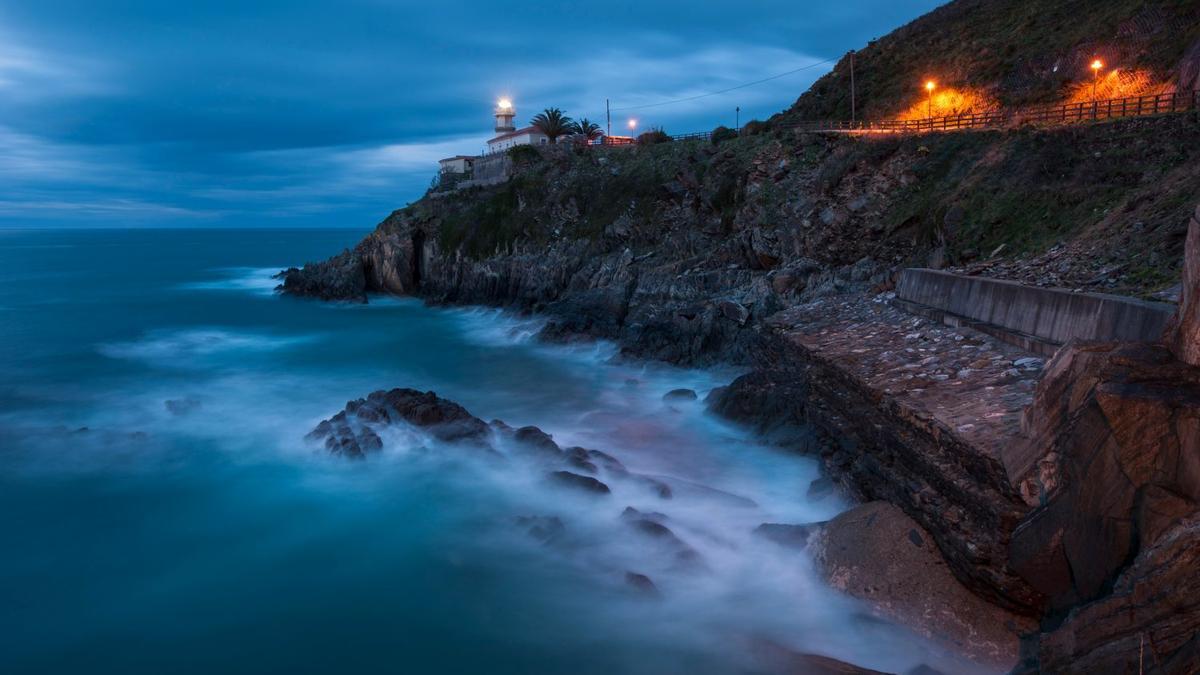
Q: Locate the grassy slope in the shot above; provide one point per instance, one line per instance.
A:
(1008, 48)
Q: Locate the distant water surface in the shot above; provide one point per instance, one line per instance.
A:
(161, 512)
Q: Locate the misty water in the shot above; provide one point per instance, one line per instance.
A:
(162, 512)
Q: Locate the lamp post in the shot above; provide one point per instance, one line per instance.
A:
(929, 87)
(737, 118)
(632, 126)
(1096, 66)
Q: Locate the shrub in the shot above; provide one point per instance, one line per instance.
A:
(653, 136)
(755, 127)
(524, 154)
(722, 134)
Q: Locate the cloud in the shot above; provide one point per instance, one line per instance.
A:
(338, 111)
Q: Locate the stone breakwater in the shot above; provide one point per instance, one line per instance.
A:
(1069, 498)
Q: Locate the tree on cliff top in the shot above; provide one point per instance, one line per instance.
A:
(586, 128)
(553, 123)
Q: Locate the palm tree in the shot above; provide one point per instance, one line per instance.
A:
(553, 123)
(586, 128)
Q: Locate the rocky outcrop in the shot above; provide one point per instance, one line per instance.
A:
(351, 432)
(876, 553)
(1149, 623)
(1184, 335)
(1113, 457)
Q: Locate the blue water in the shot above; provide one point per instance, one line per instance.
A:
(161, 512)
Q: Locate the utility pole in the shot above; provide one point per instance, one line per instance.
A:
(737, 119)
(853, 102)
(608, 117)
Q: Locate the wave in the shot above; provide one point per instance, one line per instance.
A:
(257, 280)
(179, 346)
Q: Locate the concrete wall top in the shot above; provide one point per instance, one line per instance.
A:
(1049, 313)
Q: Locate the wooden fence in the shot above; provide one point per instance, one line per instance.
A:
(1069, 113)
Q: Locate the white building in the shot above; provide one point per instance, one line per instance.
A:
(508, 135)
(457, 164)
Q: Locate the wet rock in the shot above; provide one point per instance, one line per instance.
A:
(546, 529)
(734, 311)
(791, 536)
(679, 396)
(642, 584)
(349, 433)
(578, 482)
(652, 528)
(182, 406)
(820, 488)
(536, 439)
(877, 553)
(776, 658)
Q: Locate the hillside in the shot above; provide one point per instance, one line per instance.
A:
(1014, 53)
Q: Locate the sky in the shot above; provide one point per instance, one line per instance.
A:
(261, 113)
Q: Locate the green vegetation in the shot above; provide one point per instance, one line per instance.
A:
(722, 134)
(586, 128)
(1019, 51)
(553, 122)
(653, 136)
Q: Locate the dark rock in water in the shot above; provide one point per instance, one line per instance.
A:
(537, 439)
(342, 277)
(792, 536)
(340, 438)
(924, 670)
(579, 458)
(578, 482)
(181, 406)
(349, 432)
(679, 395)
(651, 526)
(656, 486)
(820, 488)
(445, 420)
(546, 529)
(642, 584)
(769, 401)
(597, 458)
(631, 514)
(780, 659)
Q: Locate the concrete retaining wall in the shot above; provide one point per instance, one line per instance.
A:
(1049, 314)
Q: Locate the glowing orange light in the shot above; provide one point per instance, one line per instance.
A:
(1097, 65)
(930, 85)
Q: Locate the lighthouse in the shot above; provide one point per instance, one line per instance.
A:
(505, 112)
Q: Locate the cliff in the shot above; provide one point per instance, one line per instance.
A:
(1066, 495)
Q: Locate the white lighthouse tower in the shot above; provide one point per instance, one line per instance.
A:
(505, 112)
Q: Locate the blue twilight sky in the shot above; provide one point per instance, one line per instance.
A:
(306, 112)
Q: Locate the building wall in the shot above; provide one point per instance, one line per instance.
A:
(533, 138)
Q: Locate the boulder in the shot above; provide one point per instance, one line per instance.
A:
(791, 536)
(878, 554)
(578, 482)
(679, 395)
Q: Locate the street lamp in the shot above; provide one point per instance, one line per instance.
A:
(929, 87)
(1096, 66)
(632, 124)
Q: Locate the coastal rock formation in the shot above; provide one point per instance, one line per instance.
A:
(1113, 458)
(1184, 336)
(876, 553)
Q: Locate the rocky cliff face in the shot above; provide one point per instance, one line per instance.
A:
(767, 252)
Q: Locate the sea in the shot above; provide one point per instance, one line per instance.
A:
(162, 512)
